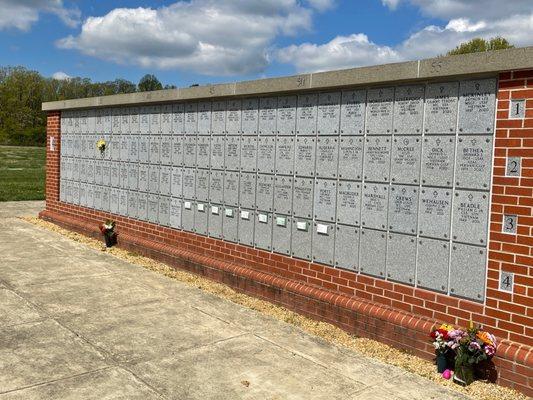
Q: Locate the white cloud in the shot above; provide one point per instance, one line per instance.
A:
(220, 37)
(358, 50)
(341, 52)
(61, 76)
(21, 14)
(392, 4)
(322, 5)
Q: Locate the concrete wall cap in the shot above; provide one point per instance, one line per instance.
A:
(432, 68)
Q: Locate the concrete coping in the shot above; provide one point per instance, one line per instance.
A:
(432, 68)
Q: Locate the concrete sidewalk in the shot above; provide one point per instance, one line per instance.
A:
(76, 323)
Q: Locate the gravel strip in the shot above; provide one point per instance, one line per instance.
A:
(367, 347)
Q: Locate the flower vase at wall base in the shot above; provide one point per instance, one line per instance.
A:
(442, 362)
(110, 240)
(463, 374)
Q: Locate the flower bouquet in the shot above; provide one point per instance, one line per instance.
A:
(101, 145)
(108, 231)
(443, 347)
(472, 346)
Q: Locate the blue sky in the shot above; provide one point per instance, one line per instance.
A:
(210, 41)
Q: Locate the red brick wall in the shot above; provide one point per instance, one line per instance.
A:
(53, 140)
(393, 313)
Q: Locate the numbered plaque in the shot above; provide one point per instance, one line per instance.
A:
(302, 238)
(477, 106)
(265, 192)
(281, 235)
(351, 158)
(328, 118)
(373, 250)
(377, 159)
(348, 202)
(233, 117)
(304, 156)
(435, 213)
(284, 155)
(437, 160)
(286, 115)
(268, 110)
(250, 116)
(408, 110)
(246, 226)
(347, 247)
(306, 114)
(189, 182)
(473, 164)
(405, 161)
(470, 217)
(218, 118)
(247, 189)
(323, 242)
(233, 153)
(217, 152)
(216, 186)
(175, 213)
(432, 264)
(249, 153)
(379, 112)
(165, 180)
(283, 194)
(374, 205)
(204, 118)
(441, 108)
(231, 188)
(266, 154)
(403, 209)
(327, 151)
(401, 258)
(202, 185)
(325, 199)
(203, 151)
(468, 271)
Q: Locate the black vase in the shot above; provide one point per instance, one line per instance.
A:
(442, 362)
(110, 239)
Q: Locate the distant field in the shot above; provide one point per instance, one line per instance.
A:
(22, 172)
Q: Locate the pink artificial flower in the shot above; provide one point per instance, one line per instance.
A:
(490, 350)
(474, 346)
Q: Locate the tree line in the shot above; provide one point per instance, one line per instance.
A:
(22, 91)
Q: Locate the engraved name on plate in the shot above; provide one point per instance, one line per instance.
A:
(474, 162)
(374, 206)
(353, 107)
(379, 111)
(403, 209)
(268, 107)
(250, 116)
(405, 160)
(286, 116)
(377, 159)
(306, 114)
(437, 160)
(328, 117)
(476, 106)
(441, 107)
(408, 109)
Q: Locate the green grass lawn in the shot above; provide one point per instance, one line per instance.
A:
(22, 172)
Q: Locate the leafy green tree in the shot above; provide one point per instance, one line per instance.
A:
(148, 83)
(478, 45)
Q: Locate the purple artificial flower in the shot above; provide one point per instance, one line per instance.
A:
(490, 350)
(474, 346)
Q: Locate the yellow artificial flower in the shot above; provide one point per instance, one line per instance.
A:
(447, 327)
(485, 338)
(101, 145)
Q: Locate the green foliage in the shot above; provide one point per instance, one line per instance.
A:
(23, 91)
(148, 83)
(478, 45)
